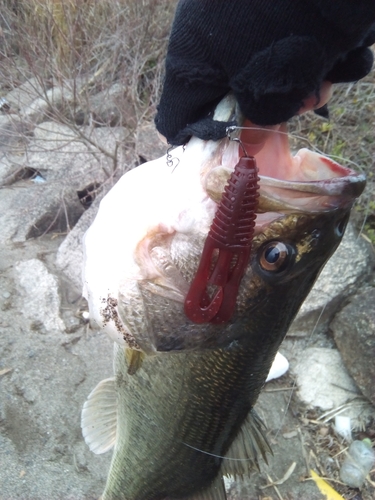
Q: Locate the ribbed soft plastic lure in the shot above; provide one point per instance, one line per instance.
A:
(227, 248)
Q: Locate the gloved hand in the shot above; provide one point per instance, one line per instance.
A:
(272, 54)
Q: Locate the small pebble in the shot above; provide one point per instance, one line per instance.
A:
(6, 295)
(323, 431)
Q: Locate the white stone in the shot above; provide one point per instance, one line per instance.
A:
(279, 367)
(39, 294)
(343, 427)
(322, 378)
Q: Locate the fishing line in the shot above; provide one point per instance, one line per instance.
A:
(294, 381)
(155, 424)
(367, 210)
(233, 128)
(316, 324)
(303, 140)
(218, 456)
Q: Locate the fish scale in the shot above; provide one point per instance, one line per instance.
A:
(211, 412)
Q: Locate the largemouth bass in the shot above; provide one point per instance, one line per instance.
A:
(179, 410)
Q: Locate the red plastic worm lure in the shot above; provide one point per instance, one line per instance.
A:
(227, 248)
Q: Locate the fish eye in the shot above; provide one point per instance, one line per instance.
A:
(275, 256)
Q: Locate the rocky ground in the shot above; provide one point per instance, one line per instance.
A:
(51, 180)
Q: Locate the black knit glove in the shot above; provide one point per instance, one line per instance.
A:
(271, 53)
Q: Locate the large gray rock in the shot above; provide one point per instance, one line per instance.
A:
(22, 96)
(71, 101)
(109, 108)
(14, 134)
(45, 376)
(69, 258)
(322, 379)
(28, 105)
(39, 299)
(348, 268)
(149, 145)
(354, 333)
(36, 99)
(70, 166)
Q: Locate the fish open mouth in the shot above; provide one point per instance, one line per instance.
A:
(306, 181)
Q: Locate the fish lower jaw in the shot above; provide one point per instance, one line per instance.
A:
(114, 335)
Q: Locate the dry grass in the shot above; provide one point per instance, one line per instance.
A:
(92, 63)
(88, 46)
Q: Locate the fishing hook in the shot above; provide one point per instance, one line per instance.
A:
(227, 248)
(229, 131)
(170, 159)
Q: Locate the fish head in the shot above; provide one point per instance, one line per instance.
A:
(144, 248)
(304, 206)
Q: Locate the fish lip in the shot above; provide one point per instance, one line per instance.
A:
(350, 186)
(338, 188)
(307, 182)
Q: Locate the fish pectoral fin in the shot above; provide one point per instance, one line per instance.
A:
(99, 417)
(249, 445)
(216, 491)
(134, 360)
